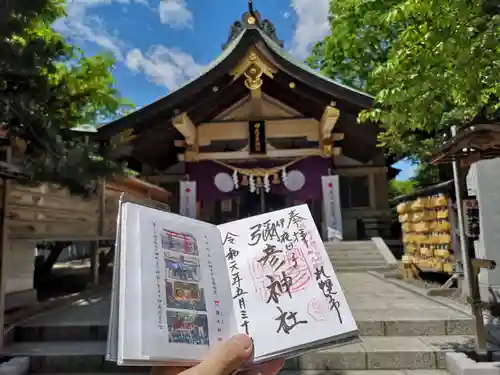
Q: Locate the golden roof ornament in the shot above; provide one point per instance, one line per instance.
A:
(251, 19)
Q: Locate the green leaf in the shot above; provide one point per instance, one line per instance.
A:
(48, 87)
(429, 63)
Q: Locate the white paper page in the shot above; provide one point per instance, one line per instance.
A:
(186, 303)
(112, 340)
(129, 314)
(285, 291)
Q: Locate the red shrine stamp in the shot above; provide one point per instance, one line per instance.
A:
(317, 309)
(294, 265)
(312, 250)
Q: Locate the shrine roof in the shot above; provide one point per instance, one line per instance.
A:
(219, 86)
(217, 74)
(473, 142)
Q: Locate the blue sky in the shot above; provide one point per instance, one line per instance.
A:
(161, 44)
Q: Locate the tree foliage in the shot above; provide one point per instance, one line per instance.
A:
(397, 188)
(47, 87)
(428, 175)
(429, 63)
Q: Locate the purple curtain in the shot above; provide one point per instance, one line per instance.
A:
(312, 167)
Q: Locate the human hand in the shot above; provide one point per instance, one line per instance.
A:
(226, 359)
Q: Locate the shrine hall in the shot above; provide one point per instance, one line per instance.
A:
(256, 131)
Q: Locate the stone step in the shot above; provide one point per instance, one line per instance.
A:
(353, 269)
(386, 353)
(343, 249)
(365, 372)
(353, 251)
(367, 265)
(374, 255)
(312, 372)
(35, 334)
(371, 353)
(355, 256)
(68, 356)
(349, 243)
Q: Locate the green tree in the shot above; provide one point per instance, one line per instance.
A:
(428, 175)
(429, 63)
(48, 87)
(397, 188)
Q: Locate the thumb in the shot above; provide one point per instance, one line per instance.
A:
(226, 358)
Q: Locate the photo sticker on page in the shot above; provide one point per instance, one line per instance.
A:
(187, 328)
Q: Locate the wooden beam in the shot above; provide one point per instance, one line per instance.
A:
(186, 127)
(237, 130)
(280, 153)
(328, 121)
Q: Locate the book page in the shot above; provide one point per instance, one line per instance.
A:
(285, 292)
(185, 306)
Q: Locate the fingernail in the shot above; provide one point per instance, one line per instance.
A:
(243, 340)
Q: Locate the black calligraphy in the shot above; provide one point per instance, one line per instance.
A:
(295, 219)
(220, 322)
(279, 287)
(236, 279)
(266, 231)
(287, 321)
(230, 238)
(326, 286)
(271, 257)
(278, 230)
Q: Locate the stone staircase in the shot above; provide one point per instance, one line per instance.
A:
(385, 345)
(402, 333)
(355, 256)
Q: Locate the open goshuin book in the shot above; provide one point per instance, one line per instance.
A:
(182, 286)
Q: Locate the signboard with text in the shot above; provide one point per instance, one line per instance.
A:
(257, 137)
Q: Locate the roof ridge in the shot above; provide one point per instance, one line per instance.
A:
(302, 65)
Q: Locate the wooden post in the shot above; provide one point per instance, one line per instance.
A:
(262, 200)
(94, 247)
(94, 269)
(4, 244)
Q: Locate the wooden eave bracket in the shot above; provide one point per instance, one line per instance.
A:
(186, 127)
(328, 120)
(326, 125)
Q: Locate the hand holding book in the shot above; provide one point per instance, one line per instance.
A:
(227, 358)
(182, 286)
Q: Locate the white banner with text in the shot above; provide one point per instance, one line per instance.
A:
(331, 208)
(187, 195)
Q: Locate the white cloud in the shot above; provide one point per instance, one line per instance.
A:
(164, 66)
(175, 13)
(312, 25)
(80, 25)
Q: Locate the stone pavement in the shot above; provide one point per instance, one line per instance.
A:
(370, 298)
(400, 331)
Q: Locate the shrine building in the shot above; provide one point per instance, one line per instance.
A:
(256, 131)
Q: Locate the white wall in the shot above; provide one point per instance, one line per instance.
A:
(20, 265)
